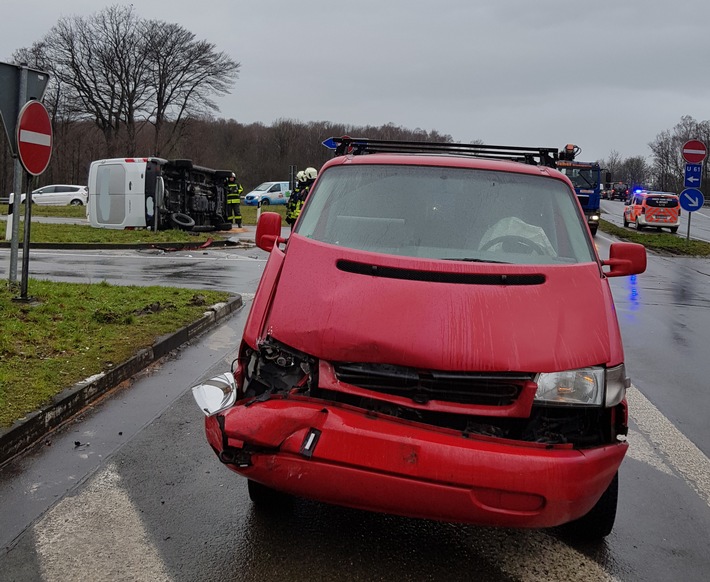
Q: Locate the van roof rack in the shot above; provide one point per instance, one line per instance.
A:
(538, 156)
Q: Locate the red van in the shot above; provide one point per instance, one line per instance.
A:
(435, 339)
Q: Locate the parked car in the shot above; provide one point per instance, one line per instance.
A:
(436, 339)
(268, 193)
(57, 195)
(648, 208)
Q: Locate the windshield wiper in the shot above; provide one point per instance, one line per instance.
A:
(471, 260)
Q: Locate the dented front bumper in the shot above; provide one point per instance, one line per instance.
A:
(351, 457)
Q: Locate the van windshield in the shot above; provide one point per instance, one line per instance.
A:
(447, 213)
(263, 187)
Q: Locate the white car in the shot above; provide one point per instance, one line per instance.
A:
(57, 195)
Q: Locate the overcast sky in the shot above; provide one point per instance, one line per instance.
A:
(605, 74)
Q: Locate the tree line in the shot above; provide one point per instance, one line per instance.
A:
(666, 168)
(123, 86)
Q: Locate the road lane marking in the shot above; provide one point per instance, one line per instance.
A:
(536, 556)
(641, 450)
(679, 451)
(97, 535)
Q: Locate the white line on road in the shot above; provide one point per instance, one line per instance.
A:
(679, 452)
(97, 535)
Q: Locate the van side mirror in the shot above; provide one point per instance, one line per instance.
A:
(268, 231)
(625, 259)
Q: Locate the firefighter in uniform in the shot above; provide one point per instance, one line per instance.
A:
(234, 189)
(304, 181)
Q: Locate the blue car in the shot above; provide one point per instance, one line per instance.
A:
(268, 193)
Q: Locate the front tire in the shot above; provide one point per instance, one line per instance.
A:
(599, 522)
(638, 225)
(674, 229)
(267, 498)
(265, 202)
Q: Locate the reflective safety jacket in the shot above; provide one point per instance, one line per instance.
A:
(234, 189)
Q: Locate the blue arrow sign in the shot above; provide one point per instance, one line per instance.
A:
(693, 174)
(691, 199)
(330, 143)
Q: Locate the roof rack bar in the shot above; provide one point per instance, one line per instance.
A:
(532, 155)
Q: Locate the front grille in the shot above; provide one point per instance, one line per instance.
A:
(423, 386)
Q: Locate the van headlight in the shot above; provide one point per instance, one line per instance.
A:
(592, 386)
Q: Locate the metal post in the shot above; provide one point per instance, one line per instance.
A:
(14, 221)
(26, 239)
(688, 235)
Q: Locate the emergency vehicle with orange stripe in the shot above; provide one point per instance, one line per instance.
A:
(648, 208)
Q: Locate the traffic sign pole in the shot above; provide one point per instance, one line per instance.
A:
(34, 148)
(26, 241)
(14, 222)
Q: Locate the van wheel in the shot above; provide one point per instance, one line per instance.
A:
(182, 221)
(267, 498)
(593, 229)
(599, 522)
(265, 202)
(626, 222)
(76, 202)
(674, 229)
(638, 225)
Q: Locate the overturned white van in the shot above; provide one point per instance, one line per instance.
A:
(156, 194)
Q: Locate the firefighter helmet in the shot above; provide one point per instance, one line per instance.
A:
(311, 173)
(301, 176)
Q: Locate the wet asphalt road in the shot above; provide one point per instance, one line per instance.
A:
(143, 497)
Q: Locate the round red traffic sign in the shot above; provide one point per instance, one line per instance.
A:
(694, 151)
(34, 137)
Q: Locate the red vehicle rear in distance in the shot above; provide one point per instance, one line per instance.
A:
(436, 339)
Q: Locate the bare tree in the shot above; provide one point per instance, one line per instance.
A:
(97, 62)
(121, 71)
(184, 75)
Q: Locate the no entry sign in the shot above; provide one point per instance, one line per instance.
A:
(694, 151)
(34, 137)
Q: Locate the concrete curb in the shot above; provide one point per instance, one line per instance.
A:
(64, 406)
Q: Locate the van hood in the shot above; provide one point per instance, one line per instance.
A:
(345, 305)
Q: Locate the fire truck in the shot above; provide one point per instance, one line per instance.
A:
(586, 177)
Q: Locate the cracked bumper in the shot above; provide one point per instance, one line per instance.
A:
(348, 457)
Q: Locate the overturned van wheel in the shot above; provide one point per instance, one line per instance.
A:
(182, 221)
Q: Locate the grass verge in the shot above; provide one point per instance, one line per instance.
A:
(76, 233)
(658, 241)
(77, 330)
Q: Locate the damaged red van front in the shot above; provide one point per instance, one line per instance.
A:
(436, 339)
